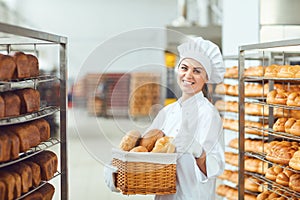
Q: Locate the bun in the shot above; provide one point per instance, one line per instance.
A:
(129, 140)
(295, 161)
(283, 178)
(220, 105)
(293, 99)
(272, 172)
(164, 145)
(149, 139)
(139, 149)
(251, 184)
(287, 71)
(288, 124)
(279, 125)
(295, 129)
(221, 88)
(232, 90)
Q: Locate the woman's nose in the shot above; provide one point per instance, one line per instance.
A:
(189, 73)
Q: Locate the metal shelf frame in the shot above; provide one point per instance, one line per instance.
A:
(278, 51)
(16, 35)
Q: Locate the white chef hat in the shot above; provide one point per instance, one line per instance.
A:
(206, 53)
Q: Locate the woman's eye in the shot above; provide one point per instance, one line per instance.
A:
(183, 68)
(197, 71)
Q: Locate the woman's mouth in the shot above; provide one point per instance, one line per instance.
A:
(185, 82)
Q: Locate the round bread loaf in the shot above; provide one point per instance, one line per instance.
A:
(129, 140)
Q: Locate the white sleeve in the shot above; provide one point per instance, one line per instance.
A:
(109, 177)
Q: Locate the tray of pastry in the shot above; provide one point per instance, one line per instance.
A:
(32, 151)
(16, 84)
(275, 185)
(43, 112)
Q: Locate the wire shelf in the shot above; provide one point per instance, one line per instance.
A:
(262, 157)
(16, 84)
(38, 187)
(262, 78)
(275, 185)
(276, 105)
(33, 151)
(43, 112)
(276, 134)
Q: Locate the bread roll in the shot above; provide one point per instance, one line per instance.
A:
(139, 149)
(221, 88)
(287, 71)
(149, 139)
(231, 72)
(295, 161)
(281, 152)
(272, 172)
(164, 145)
(278, 96)
(129, 140)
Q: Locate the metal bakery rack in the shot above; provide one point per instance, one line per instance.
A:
(281, 53)
(15, 38)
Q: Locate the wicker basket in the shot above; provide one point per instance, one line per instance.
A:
(145, 173)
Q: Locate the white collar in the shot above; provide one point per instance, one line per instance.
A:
(196, 97)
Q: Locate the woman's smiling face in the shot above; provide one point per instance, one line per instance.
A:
(191, 77)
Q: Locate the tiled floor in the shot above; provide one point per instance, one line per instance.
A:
(86, 180)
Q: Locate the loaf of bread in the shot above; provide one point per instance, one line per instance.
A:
(295, 128)
(12, 104)
(30, 100)
(164, 145)
(22, 70)
(272, 71)
(34, 196)
(2, 190)
(43, 127)
(272, 172)
(279, 125)
(295, 161)
(18, 184)
(254, 71)
(295, 182)
(231, 72)
(231, 193)
(278, 96)
(4, 148)
(293, 99)
(25, 172)
(281, 152)
(36, 172)
(149, 139)
(47, 191)
(2, 107)
(288, 124)
(14, 144)
(130, 140)
(139, 149)
(48, 162)
(10, 183)
(221, 88)
(288, 71)
(28, 134)
(33, 65)
(283, 177)
(7, 67)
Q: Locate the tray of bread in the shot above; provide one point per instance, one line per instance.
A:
(146, 164)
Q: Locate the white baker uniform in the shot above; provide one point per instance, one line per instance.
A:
(192, 184)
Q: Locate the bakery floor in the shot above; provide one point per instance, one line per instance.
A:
(86, 179)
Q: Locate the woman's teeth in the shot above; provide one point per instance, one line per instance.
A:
(188, 82)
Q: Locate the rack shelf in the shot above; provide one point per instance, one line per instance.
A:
(45, 111)
(16, 38)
